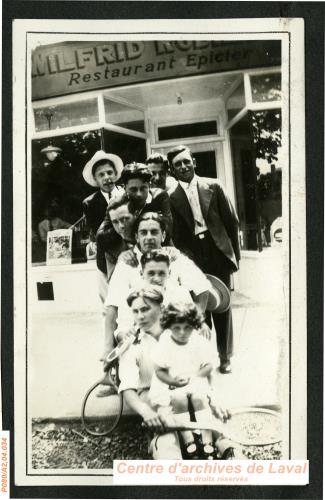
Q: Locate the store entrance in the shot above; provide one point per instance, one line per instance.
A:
(206, 164)
(206, 156)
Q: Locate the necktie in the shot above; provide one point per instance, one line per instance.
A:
(194, 203)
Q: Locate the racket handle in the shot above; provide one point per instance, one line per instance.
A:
(118, 350)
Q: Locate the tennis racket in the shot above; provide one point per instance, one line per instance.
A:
(247, 426)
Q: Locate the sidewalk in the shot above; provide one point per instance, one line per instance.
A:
(64, 350)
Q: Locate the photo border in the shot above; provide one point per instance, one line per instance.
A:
(314, 195)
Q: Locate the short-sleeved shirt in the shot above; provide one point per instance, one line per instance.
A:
(183, 360)
(136, 365)
(182, 270)
(173, 293)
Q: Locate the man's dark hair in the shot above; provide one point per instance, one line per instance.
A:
(175, 151)
(158, 159)
(149, 292)
(117, 202)
(149, 216)
(154, 256)
(99, 163)
(136, 170)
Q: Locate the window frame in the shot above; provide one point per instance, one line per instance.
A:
(249, 104)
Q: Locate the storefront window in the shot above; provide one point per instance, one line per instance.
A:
(236, 101)
(66, 115)
(185, 130)
(269, 162)
(123, 115)
(266, 87)
(58, 181)
(129, 148)
(257, 163)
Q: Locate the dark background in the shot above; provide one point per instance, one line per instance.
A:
(313, 14)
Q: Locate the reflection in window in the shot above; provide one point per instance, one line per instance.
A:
(236, 101)
(123, 115)
(66, 115)
(187, 130)
(267, 134)
(266, 88)
(129, 148)
(258, 175)
(60, 179)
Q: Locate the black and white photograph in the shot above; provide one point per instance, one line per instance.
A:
(163, 224)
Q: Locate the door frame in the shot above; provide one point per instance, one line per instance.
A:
(199, 146)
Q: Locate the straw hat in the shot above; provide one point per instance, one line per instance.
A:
(219, 295)
(98, 156)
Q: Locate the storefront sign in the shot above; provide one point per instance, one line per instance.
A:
(78, 66)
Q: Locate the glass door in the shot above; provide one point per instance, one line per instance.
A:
(206, 155)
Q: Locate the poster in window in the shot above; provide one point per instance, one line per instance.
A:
(59, 247)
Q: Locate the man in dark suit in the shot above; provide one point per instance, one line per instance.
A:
(206, 228)
(119, 236)
(136, 178)
(102, 171)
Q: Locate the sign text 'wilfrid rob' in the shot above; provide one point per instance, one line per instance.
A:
(97, 56)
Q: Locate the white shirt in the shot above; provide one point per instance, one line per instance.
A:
(172, 293)
(192, 194)
(182, 271)
(135, 365)
(116, 191)
(183, 360)
(180, 361)
(149, 198)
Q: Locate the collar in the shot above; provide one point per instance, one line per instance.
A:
(137, 252)
(115, 192)
(140, 334)
(149, 198)
(188, 185)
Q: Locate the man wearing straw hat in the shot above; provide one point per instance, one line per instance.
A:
(102, 171)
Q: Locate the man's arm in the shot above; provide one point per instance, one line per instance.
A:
(229, 217)
(118, 289)
(150, 417)
(165, 210)
(163, 375)
(106, 236)
(129, 376)
(110, 265)
(110, 327)
(192, 278)
(128, 257)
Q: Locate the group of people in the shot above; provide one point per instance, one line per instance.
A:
(161, 241)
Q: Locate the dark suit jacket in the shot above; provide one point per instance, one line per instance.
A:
(160, 203)
(94, 207)
(219, 215)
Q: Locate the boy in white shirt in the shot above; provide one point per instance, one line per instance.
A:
(155, 270)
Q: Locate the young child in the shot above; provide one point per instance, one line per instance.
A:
(183, 364)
